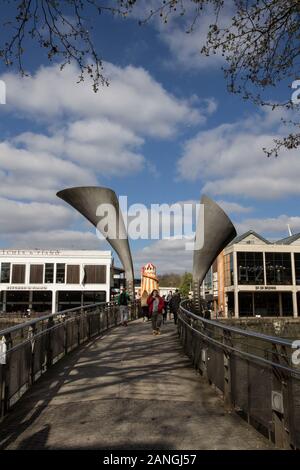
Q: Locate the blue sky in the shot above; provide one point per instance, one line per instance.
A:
(165, 131)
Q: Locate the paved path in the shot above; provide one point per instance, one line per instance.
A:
(125, 390)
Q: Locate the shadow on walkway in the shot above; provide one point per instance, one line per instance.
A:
(125, 390)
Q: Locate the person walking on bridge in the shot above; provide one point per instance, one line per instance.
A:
(174, 304)
(123, 303)
(156, 306)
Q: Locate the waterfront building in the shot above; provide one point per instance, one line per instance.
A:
(55, 280)
(256, 277)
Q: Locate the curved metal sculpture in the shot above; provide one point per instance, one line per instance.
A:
(215, 232)
(87, 201)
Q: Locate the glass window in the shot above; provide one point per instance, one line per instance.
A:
(36, 273)
(250, 268)
(94, 297)
(229, 270)
(297, 267)
(5, 272)
(18, 274)
(68, 299)
(17, 301)
(266, 304)
(2, 302)
(287, 304)
(94, 274)
(60, 273)
(49, 273)
(208, 280)
(278, 268)
(42, 301)
(245, 304)
(230, 304)
(73, 274)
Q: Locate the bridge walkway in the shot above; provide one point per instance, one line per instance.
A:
(126, 390)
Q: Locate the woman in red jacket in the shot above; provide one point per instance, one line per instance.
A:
(156, 306)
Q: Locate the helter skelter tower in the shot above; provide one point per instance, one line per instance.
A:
(149, 280)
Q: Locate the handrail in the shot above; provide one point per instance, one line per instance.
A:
(234, 329)
(242, 353)
(256, 373)
(24, 324)
(29, 349)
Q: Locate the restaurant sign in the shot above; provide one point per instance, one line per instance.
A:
(30, 252)
(265, 288)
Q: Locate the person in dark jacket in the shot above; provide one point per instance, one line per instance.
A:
(156, 305)
(165, 310)
(169, 297)
(123, 301)
(174, 305)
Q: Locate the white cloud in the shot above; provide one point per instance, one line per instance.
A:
(170, 255)
(134, 99)
(86, 135)
(229, 160)
(234, 207)
(162, 220)
(185, 47)
(57, 239)
(98, 145)
(167, 255)
(20, 217)
(273, 226)
(37, 175)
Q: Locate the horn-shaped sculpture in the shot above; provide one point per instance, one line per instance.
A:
(213, 233)
(87, 201)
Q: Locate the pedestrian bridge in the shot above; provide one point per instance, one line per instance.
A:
(111, 387)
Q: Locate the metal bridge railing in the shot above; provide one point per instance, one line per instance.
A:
(256, 373)
(29, 349)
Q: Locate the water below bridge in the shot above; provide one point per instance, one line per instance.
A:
(126, 390)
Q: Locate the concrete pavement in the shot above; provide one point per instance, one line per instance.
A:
(126, 390)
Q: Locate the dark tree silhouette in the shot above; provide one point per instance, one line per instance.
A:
(62, 27)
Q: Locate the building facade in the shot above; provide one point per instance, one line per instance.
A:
(53, 280)
(256, 277)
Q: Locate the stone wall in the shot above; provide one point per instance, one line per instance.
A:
(278, 326)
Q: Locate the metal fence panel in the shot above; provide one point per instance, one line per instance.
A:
(94, 324)
(118, 316)
(239, 382)
(294, 416)
(252, 369)
(215, 366)
(260, 391)
(19, 365)
(36, 344)
(102, 320)
(39, 355)
(110, 317)
(71, 334)
(2, 385)
(57, 341)
(83, 328)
